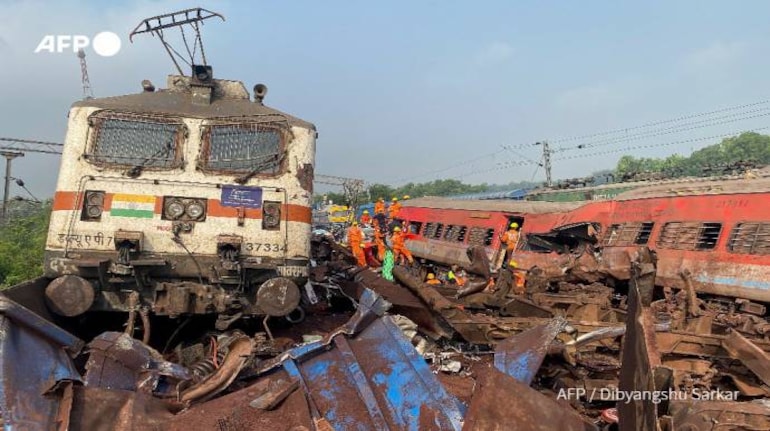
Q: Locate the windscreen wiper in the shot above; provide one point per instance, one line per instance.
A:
(272, 159)
(136, 171)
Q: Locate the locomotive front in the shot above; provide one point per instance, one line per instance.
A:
(194, 199)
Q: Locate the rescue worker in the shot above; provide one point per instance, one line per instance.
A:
(432, 279)
(361, 255)
(366, 218)
(399, 248)
(519, 278)
(511, 239)
(379, 240)
(455, 276)
(379, 207)
(394, 209)
(355, 240)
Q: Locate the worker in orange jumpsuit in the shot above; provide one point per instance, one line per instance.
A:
(355, 241)
(511, 239)
(399, 248)
(432, 279)
(394, 209)
(379, 240)
(366, 218)
(519, 278)
(379, 206)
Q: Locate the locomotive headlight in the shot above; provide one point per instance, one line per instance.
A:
(195, 210)
(271, 215)
(174, 209)
(93, 205)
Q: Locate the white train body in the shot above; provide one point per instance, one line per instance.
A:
(194, 197)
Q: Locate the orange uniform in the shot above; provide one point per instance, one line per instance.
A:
(355, 236)
(518, 282)
(433, 281)
(379, 207)
(379, 241)
(510, 239)
(394, 209)
(366, 219)
(399, 248)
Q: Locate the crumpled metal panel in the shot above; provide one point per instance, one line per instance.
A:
(521, 355)
(375, 380)
(501, 402)
(34, 361)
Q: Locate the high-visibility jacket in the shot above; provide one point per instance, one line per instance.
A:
(379, 207)
(510, 239)
(394, 209)
(399, 248)
(355, 236)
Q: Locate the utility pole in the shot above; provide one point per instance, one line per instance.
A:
(546, 162)
(9, 156)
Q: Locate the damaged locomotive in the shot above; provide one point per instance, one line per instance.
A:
(195, 197)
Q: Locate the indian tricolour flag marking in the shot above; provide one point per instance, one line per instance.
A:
(138, 206)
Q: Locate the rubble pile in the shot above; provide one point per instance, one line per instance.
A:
(363, 352)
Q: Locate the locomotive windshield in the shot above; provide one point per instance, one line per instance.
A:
(242, 149)
(135, 141)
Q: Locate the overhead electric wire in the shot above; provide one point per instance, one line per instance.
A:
(516, 163)
(437, 171)
(657, 123)
(641, 147)
(671, 130)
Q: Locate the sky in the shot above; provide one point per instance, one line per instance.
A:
(418, 90)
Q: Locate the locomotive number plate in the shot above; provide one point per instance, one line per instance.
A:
(264, 247)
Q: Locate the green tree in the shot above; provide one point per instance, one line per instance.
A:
(748, 146)
(22, 243)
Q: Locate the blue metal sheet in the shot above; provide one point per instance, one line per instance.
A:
(373, 380)
(521, 355)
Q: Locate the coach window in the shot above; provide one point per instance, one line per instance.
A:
(750, 238)
(430, 230)
(135, 141)
(451, 233)
(488, 236)
(461, 233)
(415, 226)
(689, 235)
(628, 234)
(476, 236)
(439, 229)
(247, 149)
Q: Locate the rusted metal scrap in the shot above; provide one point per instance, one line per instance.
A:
(365, 375)
(643, 371)
(755, 359)
(36, 369)
(501, 402)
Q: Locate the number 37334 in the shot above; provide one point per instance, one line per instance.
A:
(264, 247)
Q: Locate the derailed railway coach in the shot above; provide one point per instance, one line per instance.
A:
(196, 197)
(442, 229)
(712, 234)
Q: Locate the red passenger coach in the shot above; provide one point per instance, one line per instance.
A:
(717, 233)
(443, 229)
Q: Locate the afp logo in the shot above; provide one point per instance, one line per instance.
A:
(105, 43)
